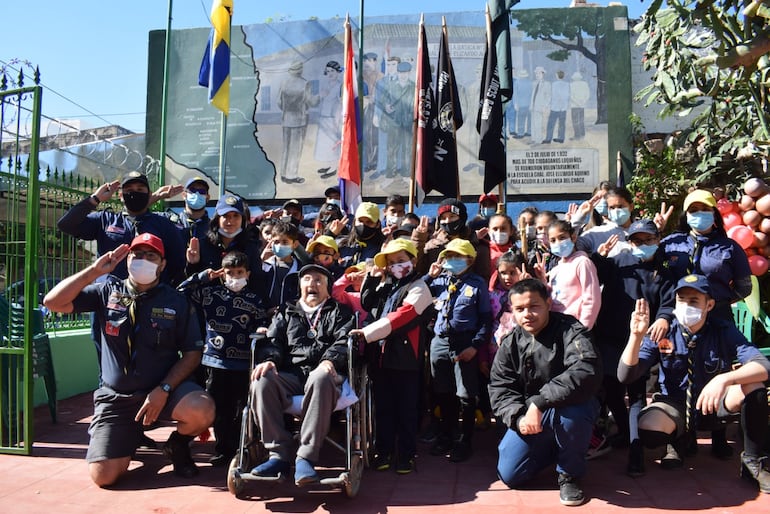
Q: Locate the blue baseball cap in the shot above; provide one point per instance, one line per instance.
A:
(193, 180)
(229, 203)
(643, 226)
(697, 282)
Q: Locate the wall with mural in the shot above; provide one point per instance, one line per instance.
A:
(565, 123)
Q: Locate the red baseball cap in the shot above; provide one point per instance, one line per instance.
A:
(488, 198)
(150, 240)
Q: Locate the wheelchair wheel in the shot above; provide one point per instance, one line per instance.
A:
(235, 484)
(353, 480)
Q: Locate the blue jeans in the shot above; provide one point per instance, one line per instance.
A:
(564, 440)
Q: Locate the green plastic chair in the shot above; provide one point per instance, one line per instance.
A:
(42, 360)
(745, 323)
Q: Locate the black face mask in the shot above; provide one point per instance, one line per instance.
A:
(136, 201)
(364, 232)
(453, 227)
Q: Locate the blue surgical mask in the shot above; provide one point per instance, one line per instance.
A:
(488, 211)
(195, 201)
(455, 265)
(601, 207)
(282, 251)
(563, 248)
(701, 220)
(334, 201)
(644, 252)
(620, 215)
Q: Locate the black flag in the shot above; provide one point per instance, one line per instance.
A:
(425, 116)
(449, 118)
(489, 122)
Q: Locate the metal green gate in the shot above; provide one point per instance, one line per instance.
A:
(20, 113)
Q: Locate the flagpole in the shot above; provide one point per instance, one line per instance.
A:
(417, 71)
(164, 97)
(223, 129)
(360, 79)
(452, 98)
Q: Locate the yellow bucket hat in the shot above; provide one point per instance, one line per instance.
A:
(394, 246)
(461, 246)
(326, 241)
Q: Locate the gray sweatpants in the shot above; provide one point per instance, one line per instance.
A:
(271, 396)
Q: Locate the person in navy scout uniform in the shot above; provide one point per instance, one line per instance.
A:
(231, 313)
(144, 325)
(463, 325)
(699, 387)
(110, 229)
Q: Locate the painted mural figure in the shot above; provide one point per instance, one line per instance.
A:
(401, 111)
(579, 94)
(540, 105)
(382, 119)
(522, 96)
(559, 105)
(370, 132)
(327, 143)
(294, 99)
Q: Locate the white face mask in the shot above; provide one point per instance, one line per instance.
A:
(231, 235)
(235, 284)
(499, 238)
(143, 271)
(687, 315)
(401, 269)
(392, 219)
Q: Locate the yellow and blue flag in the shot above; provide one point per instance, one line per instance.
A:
(215, 67)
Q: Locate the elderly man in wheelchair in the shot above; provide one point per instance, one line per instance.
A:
(305, 352)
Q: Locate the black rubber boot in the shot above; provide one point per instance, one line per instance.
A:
(177, 449)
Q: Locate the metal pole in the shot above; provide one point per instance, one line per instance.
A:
(164, 97)
(362, 145)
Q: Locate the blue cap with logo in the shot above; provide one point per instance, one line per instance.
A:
(229, 203)
(643, 226)
(697, 282)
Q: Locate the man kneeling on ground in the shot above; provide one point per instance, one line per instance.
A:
(699, 388)
(543, 383)
(143, 325)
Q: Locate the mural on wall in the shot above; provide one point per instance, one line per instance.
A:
(283, 133)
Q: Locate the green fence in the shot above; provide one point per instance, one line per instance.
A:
(34, 256)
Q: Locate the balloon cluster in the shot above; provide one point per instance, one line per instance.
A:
(747, 222)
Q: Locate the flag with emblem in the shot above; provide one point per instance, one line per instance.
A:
(425, 121)
(215, 66)
(449, 118)
(349, 167)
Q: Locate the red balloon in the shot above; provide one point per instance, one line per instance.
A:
(758, 265)
(731, 219)
(724, 206)
(742, 235)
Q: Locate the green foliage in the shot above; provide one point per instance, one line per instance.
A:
(660, 176)
(706, 57)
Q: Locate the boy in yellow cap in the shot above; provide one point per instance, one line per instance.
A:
(396, 297)
(325, 252)
(462, 325)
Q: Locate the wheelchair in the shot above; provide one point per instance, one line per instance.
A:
(354, 404)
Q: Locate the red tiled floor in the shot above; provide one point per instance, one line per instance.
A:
(55, 479)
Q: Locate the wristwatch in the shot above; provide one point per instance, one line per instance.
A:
(166, 388)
